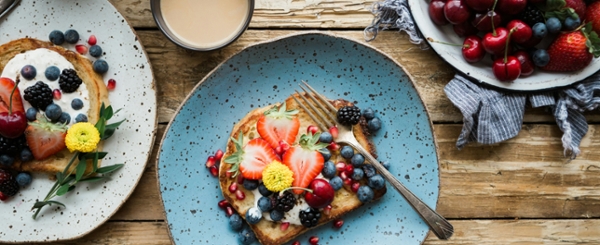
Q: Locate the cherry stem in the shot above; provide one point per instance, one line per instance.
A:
(493, 9)
(294, 188)
(507, 42)
(11, 96)
(436, 41)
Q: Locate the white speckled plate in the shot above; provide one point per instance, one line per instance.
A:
(90, 205)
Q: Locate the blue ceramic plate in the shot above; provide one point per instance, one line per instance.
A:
(267, 73)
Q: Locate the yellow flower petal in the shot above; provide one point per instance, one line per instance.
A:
(277, 176)
(82, 137)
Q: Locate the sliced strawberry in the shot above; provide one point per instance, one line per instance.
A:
(278, 124)
(6, 87)
(44, 138)
(305, 160)
(252, 158)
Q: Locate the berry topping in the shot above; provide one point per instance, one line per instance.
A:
(8, 184)
(322, 194)
(374, 125)
(26, 155)
(250, 184)
(53, 112)
(348, 115)
(23, 179)
(357, 160)
(305, 160)
(81, 49)
(6, 160)
(95, 51)
(100, 66)
(31, 114)
(285, 202)
(531, 15)
(56, 94)
(376, 182)
(369, 170)
(11, 146)
(328, 169)
(71, 36)
(265, 204)
(326, 153)
(52, 73)
(347, 152)
(263, 190)
(44, 138)
(12, 118)
(69, 81)
(313, 240)
(28, 72)
(310, 217)
(276, 215)
(368, 113)
(336, 183)
(252, 158)
(76, 104)
(111, 84)
(326, 137)
(253, 215)
(357, 174)
(278, 124)
(246, 236)
(64, 118)
(57, 37)
(365, 194)
(81, 118)
(39, 95)
(235, 222)
(92, 40)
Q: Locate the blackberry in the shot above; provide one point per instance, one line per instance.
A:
(11, 147)
(69, 81)
(531, 15)
(348, 115)
(310, 217)
(285, 202)
(8, 184)
(39, 95)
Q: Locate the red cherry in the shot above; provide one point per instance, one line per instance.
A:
(511, 7)
(472, 49)
(464, 29)
(495, 44)
(480, 5)
(322, 194)
(527, 66)
(507, 71)
(531, 42)
(456, 11)
(483, 22)
(436, 12)
(12, 122)
(522, 32)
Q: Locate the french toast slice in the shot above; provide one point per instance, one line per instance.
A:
(268, 232)
(98, 94)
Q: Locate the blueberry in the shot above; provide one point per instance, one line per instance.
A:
(358, 174)
(64, 118)
(540, 58)
(369, 170)
(235, 222)
(328, 169)
(572, 23)
(31, 114)
(81, 118)
(386, 165)
(95, 51)
(336, 183)
(53, 112)
(76, 104)
(376, 182)
(250, 184)
(553, 25)
(23, 179)
(52, 73)
(253, 215)
(539, 30)
(72, 36)
(57, 37)
(325, 137)
(365, 194)
(374, 124)
(28, 72)
(276, 215)
(6, 160)
(326, 153)
(246, 236)
(357, 160)
(26, 155)
(263, 190)
(347, 152)
(265, 204)
(368, 113)
(100, 66)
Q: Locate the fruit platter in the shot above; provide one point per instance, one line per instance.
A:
(522, 45)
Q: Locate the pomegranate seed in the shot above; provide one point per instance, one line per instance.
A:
(239, 194)
(3, 197)
(312, 129)
(228, 174)
(284, 146)
(334, 131)
(355, 186)
(333, 146)
(347, 181)
(56, 94)
(211, 161)
(240, 179)
(214, 171)
(344, 175)
(338, 223)
(279, 150)
(228, 211)
(81, 49)
(327, 210)
(233, 187)
(218, 155)
(111, 84)
(340, 166)
(296, 243)
(349, 169)
(284, 226)
(223, 204)
(314, 240)
(92, 40)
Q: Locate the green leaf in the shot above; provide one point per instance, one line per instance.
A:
(80, 169)
(55, 202)
(115, 125)
(39, 204)
(67, 180)
(95, 160)
(108, 113)
(593, 41)
(92, 179)
(102, 109)
(109, 169)
(92, 155)
(59, 176)
(100, 125)
(64, 189)
(562, 14)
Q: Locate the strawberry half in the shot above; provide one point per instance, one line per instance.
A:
(45, 138)
(6, 87)
(573, 51)
(278, 124)
(252, 158)
(305, 160)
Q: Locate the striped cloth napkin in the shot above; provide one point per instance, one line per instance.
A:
(491, 116)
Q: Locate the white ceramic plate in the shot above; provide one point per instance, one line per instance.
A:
(90, 205)
(482, 71)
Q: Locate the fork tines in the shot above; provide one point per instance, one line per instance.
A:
(325, 117)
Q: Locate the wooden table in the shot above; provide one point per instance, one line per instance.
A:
(522, 191)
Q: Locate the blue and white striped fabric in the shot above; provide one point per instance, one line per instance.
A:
(491, 116)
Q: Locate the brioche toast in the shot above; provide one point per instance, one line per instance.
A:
(98, 94)
(269, 232)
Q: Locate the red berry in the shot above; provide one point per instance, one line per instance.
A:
(347, 181)
(472, 49)
(233, 187)
(284, 226)
(333, 146)
(522, 31)
(338, 223)
(240, 179)
(218, 155)
(436, 12)
(507, 71)
(296, 243)
(111, 84)
(239, 194)
(214, 171)
(344, 175)
(355, 186)
(327, 209)
(279, 150)
(312, 129)
(92, 40)
(228, 211)
(228, 174)
(81, 49)
(223, 204)
(3, 197)
(210, 161)
(340, 166)
(456, 11)
(334, 131)
(56, 94)
(349, 169)
(314, 240)
(284, 146)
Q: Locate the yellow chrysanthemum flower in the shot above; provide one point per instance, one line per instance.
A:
(82, 137)
(277, 176)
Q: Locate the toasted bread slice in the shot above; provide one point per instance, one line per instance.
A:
(267, 232)
(94, 83)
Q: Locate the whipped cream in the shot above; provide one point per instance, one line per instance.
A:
(41, 59)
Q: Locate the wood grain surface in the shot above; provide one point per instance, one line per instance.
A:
(521, 191)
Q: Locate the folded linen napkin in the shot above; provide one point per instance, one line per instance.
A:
(491, 116)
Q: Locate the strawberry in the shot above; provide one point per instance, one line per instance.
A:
(6, 87)
(252, 158)
(578, 6)
(573, 51)
(592, 15)
(562, 9)
(278, 124)
(305, 160)
(45, 138)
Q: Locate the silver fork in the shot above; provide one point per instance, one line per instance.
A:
(325, 119)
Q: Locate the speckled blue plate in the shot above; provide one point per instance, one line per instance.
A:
(267, 73)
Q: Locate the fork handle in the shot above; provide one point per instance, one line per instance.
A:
(438, 224)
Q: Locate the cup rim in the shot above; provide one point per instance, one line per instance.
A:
(160, 22)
